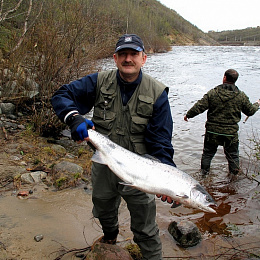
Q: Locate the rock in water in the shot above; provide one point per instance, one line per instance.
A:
(186, 233)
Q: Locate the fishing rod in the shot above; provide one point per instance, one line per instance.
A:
(245, 119)
(248, 116)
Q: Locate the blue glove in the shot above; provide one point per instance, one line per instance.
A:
(79, 127)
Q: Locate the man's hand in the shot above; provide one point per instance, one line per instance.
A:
(79, 127)
(165, 198)
(186, 118)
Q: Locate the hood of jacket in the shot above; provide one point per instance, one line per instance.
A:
(227, 92)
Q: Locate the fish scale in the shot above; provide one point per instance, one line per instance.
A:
(150, 175)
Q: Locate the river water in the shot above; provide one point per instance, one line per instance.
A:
(191, 71)
(64, 218)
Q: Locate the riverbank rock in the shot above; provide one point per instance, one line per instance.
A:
(7, 108)
(108, 252)
(186, 233)
(33, 177)
(59, 149)
(66, 174)
(9, 125)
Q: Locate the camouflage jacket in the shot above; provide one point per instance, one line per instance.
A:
(224, 104)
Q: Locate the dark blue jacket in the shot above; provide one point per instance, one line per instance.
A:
(80, 96)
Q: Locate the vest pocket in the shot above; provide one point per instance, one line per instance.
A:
(138, 145)
(138, 125)
(144, 106)
(104, 120)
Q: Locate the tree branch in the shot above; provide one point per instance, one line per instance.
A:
(4, 15)
(26, 28)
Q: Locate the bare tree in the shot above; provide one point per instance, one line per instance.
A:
(14, 11)
(6, 14)
(26, 26)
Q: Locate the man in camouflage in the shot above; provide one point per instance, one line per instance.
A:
(224, 104)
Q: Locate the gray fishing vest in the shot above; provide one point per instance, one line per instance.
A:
(125, 125)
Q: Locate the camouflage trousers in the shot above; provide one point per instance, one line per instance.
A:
(230, 145)
(106, 197)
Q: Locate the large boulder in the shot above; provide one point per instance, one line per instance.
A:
(186, 233)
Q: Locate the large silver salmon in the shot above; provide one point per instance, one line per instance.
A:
(150, 175)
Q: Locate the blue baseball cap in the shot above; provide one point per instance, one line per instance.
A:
(130, 41)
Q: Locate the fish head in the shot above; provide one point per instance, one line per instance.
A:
(202, 199)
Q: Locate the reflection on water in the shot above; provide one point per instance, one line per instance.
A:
(236, 203)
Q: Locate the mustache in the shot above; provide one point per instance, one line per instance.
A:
(126, 63)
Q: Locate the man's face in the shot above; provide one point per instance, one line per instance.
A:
(129, 63)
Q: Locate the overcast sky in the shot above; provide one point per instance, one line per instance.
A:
(218, 15)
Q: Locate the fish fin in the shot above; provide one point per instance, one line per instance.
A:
(127, 186)
(98, 158)
(148, 156)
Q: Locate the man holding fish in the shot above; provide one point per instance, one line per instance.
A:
(133, 110)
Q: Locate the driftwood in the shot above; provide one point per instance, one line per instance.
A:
(5, 133)
(18, 99)
(74, 250)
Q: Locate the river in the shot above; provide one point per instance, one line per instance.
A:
(64, 218)
(190, 72)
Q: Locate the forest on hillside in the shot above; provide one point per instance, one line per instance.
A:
(46, 43)
(249, 35)
(87, 28)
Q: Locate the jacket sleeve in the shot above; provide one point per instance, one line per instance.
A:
(158, 135)
(199, 107)
(77, 96)
(248, 108)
